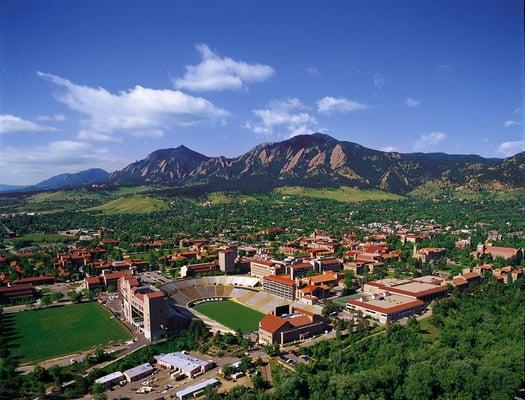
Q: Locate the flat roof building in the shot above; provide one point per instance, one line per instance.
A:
(386, 307)
(185, 363)
(189, 392)
(110, 379)
(260, 268)
(138, 372)
(281, 286)
(412, 288)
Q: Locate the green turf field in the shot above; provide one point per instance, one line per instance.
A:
(231, 314)
(56, 331)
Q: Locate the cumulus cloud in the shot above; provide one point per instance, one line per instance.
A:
(389, 149)
(511, 123)
(54, 117)
(13, 124)
(510, 148)
(329, 105)
(59, 156)
(221, 73)
(427, 141)
(141, 112)
(410, 102)
(290, 116)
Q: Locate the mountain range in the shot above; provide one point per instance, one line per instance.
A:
(321, 160)
(309, 160)
(64, 181)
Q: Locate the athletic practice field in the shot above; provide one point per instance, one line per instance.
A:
(232, 314)
(56, 331)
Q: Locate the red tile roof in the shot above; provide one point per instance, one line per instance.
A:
(271, 323)
(155, 295)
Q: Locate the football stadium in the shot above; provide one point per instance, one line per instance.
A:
(232, 302)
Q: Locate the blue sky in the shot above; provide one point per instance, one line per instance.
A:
(103, 83)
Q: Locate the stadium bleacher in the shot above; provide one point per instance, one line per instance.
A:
(242, 288)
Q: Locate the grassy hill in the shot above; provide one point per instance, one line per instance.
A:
(226, 198)
(132, 205)
(343, 194)
(437, 190)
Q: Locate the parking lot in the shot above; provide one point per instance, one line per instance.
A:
(163, 385)
(154, 277)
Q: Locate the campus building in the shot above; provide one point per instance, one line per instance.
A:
(298, 325)
(386, 307)
(281, 286)
(260, 268)
(15, 294)
(146, 309)
(138, 372)
(417, 289)
(197, 269)
(227, 259)
(508, 253)
(184, 363)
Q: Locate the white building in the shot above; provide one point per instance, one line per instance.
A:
(138, 372)
(110, 379)
(185, 363)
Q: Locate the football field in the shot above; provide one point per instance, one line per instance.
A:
(232, 314)
(56, 331)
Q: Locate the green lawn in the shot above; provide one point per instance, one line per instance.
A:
(56, 331)
(232, 314)
(133, 204)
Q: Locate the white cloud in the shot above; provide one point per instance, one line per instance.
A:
(141, 112)
(486, 140)
(510, 148)
(511, 123)
(221, 73)
(12, 124)
(517, 110)
(379, 80)
(289, 114)
(97, 137)
(410, 102)
(54, 117)
(389, 149)
(329, 105)
(312, 71)
(426, 142)
(59, 156)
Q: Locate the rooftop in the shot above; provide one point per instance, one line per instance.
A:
(195, 388)
(280, 279)
(388, 304)
(184, 362)
(139, 370)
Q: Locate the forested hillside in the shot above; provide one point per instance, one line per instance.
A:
(472, 348)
